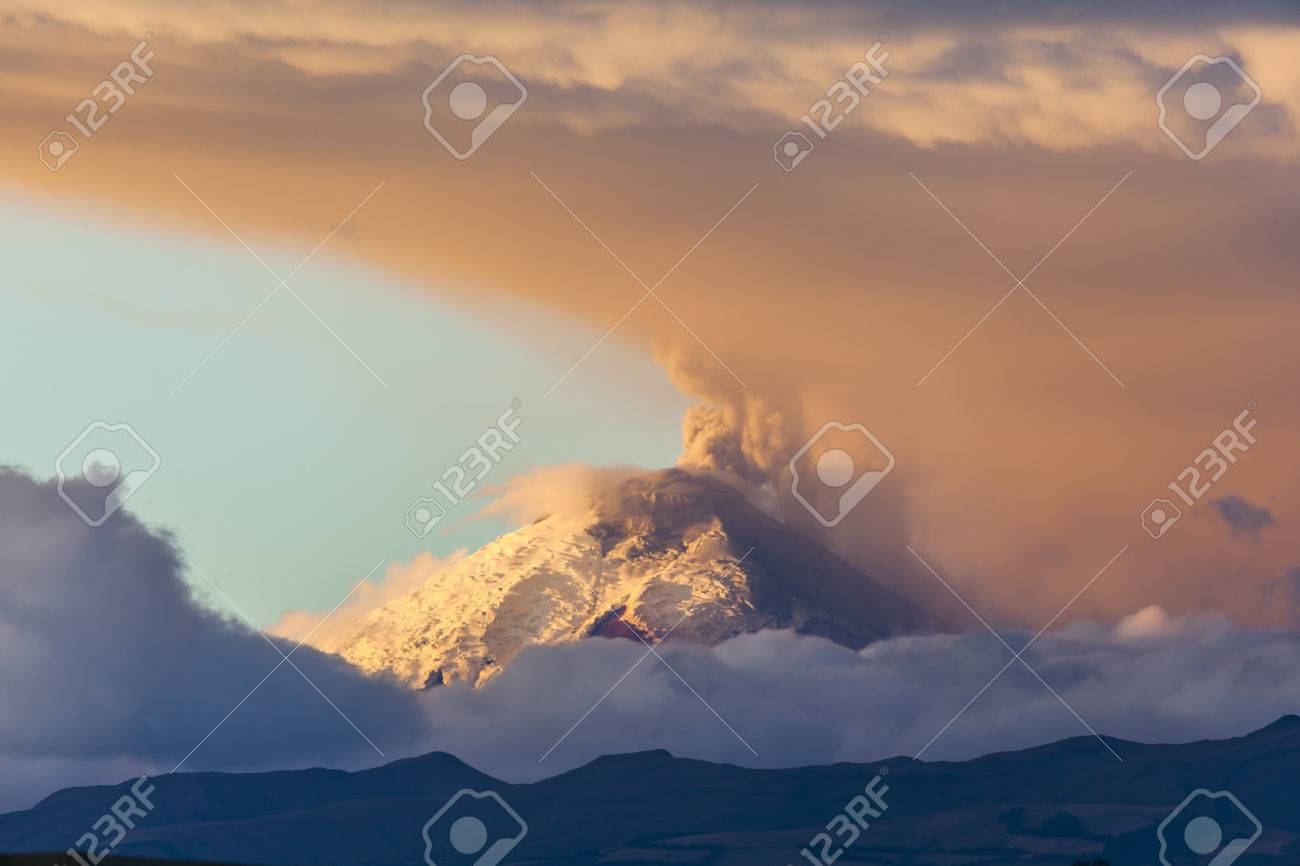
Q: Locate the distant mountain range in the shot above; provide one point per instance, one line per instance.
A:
(661, 545)
(1048, 806)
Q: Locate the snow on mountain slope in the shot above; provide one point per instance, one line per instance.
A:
(667, 551)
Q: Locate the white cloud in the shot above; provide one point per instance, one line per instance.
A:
(803, 700)
(112, 666)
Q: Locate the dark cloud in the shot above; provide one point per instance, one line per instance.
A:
(109, 661)
(1173, 14)
(111, 665)
(1290, 588)
(1243, 517)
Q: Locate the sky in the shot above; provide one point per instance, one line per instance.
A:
(998, 263)
(327, 456)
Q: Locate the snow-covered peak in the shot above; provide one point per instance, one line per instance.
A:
(662, 551)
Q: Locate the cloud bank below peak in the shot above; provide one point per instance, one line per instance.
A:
(802, 700)
(113, 665)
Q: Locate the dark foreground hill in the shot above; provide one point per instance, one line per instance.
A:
(1055, 804)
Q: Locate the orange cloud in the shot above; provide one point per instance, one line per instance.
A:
(830, 292)
(325, 630)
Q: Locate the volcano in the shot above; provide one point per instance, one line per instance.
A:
(666, 551)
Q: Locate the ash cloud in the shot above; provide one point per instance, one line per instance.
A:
(731, 432)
